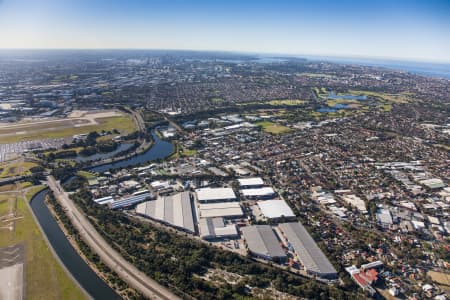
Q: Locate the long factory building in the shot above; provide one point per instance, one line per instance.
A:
(214, 195)
(221, 210)
(252, 182)
(215, 229)
(134, 199)
(175, 210)
(263, 243)
(303, 245)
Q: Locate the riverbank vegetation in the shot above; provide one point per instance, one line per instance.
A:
(91, 258)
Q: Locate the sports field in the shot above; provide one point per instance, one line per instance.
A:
(273, 128)
(78, 122)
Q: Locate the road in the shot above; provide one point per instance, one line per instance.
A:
(126, 271)
(168, 119)
(137, 116)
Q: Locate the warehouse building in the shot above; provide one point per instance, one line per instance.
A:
(433, 183)
(274, 209)
(384, 218)
(175, 210)
(309, 254)
(130, 201)
(259, 193)
(263, 243)
(221, 210)
(250, 183)
(104, 200)
(215, 229)
(213, 195)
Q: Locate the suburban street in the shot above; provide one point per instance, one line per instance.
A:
(127, 272)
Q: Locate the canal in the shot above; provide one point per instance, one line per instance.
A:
(87, 278)
(160, 149)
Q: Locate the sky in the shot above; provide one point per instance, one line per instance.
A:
(400, 29)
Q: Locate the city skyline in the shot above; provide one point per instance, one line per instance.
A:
(407, 30)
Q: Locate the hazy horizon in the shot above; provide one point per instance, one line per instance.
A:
(416, 30)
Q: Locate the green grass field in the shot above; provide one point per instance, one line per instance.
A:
(273, 128)
(44, 276)
(181, 151)
(16, 168)
(275, 102)
(217, 100)
(394, 98)
(321, 93)
(292, 102)
(188, 152)
(315, 75)
(333, 102)
(4, 204)
(124, 124)
(86, 175)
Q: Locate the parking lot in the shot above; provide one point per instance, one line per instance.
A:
(12, 150)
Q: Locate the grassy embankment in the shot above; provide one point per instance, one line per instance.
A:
(16, 168)
(45, 278)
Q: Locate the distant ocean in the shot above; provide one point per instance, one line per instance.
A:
(441, 70)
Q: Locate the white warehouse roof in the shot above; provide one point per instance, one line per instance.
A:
(259, 192)
(223, 209)
(215, 194)
(273, 209)
(104, 200)
(250, 181)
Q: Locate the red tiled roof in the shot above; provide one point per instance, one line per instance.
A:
(359, 279)
(372, 275)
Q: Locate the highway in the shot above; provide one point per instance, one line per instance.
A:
(126, 271)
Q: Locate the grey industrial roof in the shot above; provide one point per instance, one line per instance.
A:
(306, 249)
(261, 239)
(215, 227)
(175, 210)
(384, 216)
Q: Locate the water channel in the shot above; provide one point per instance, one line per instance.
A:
(87, 278)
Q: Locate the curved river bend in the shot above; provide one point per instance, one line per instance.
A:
(160, 149)
(87, 278)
